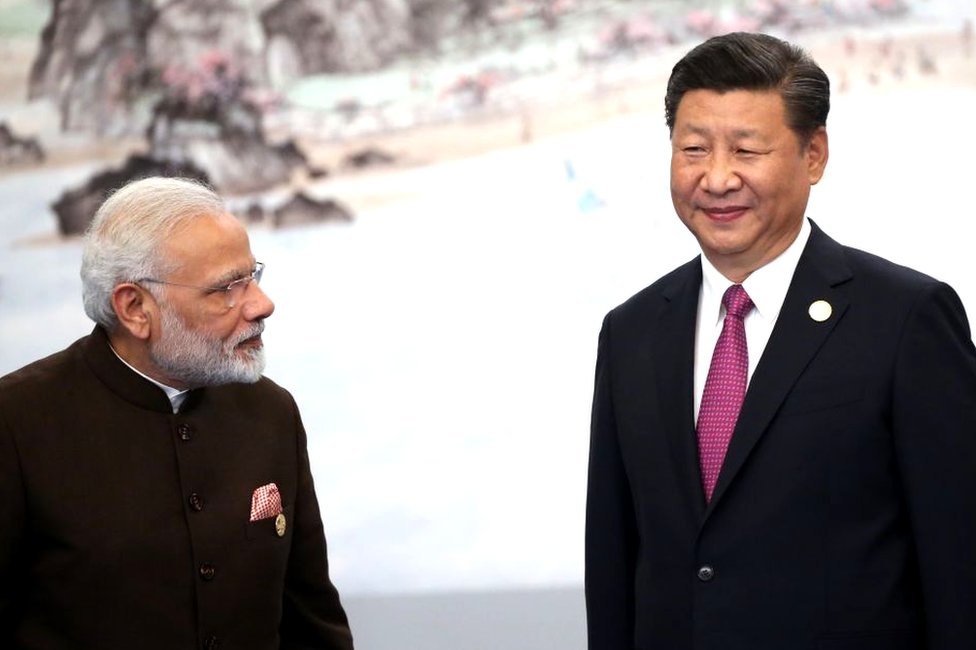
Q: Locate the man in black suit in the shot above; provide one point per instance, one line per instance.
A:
(155, 489)
(800, 473)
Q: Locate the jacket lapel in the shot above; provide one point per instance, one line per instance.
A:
(674, 345)
(795, 340)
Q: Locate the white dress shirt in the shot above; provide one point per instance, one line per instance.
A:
(766, 286)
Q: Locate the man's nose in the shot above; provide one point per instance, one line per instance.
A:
(257, 305)
(721, 176)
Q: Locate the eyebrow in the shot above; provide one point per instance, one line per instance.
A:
(738, 134)
(231, 276)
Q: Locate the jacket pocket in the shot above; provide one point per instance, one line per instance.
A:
(808, 398)
(267, 529)
(887, 640)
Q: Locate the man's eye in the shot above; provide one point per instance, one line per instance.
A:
(224, 288)
(694, 150)
(238, 283)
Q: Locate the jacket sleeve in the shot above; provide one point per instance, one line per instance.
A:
(12, 518)
(611, 536)
(934, 425)
(312, 615)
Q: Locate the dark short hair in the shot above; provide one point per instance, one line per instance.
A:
(743, 61)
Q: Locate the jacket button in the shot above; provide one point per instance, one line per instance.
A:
(196, 502)
(211, 643)
(184, 432)
(706, 573)
(207, 571)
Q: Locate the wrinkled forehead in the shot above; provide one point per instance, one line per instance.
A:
(741, 109)
(213, 245)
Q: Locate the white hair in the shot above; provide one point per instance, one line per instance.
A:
(123, 241)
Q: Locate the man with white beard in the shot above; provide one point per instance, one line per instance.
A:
(155, 489)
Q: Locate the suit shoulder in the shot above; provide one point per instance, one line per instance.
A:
(263, 392)
(887, 282)
(884, 270)
(45, 374)
(686, 277)
(270, 387)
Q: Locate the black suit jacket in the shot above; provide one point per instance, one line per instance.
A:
(124, 525)
(844, 517)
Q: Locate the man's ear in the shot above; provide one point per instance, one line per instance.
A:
(817, 153)
(135, 309)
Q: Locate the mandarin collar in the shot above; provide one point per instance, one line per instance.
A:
(122, 380)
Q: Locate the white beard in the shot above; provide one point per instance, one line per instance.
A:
(198, 360)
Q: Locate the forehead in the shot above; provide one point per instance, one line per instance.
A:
(208, 246)
(732, 111)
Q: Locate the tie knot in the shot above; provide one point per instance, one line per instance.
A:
(737, 302)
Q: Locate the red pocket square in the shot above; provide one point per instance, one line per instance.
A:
(265, 502)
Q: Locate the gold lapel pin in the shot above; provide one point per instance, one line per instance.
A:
(281, 524)
(820, 310)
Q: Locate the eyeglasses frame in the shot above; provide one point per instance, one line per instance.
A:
(253, 276)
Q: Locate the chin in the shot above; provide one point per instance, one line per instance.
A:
(255, 364)
(245, 366)
(723, 243)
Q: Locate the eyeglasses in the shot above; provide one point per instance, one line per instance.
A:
(233, 291)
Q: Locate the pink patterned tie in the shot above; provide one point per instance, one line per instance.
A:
(725, 388)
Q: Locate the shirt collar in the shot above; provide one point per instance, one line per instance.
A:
(766, 286)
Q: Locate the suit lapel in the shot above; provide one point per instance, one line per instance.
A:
(673, 343)
(795, 340)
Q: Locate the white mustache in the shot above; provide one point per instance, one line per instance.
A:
(255, 330)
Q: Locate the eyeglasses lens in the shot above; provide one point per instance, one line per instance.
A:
(238, 287)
